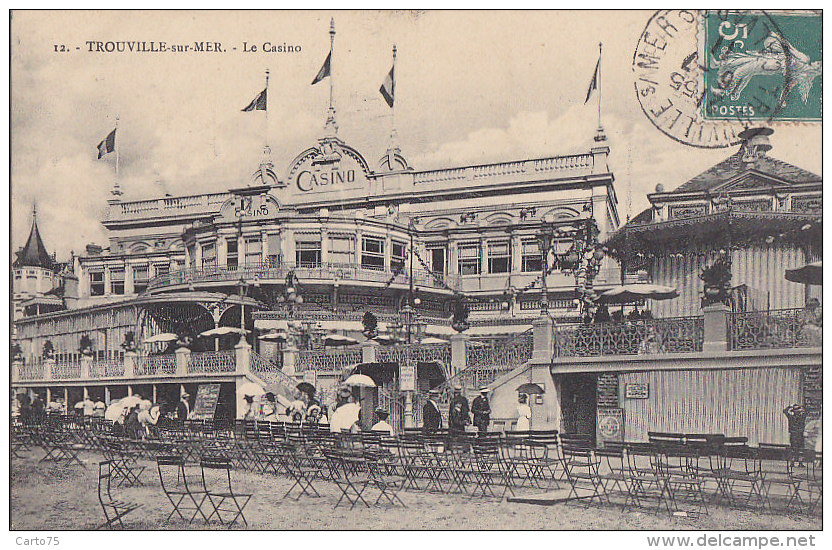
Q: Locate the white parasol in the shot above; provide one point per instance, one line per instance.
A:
(223, 331)
(344, 417)
(335, 340)
(625, 294)
(433, 340)
(276, 336)
(251, 389)
(116, 408)
(361, 380)
(162, 337)
(809, 274)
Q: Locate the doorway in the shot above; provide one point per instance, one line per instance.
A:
(578, 403)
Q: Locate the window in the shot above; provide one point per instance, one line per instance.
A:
(31, 274)
(162, 269)
(341, 250)
(437, 257)
(531, 256)
(117, 280)
(17, 275)
(469, 258)
(231, 254)
(308, 253)
(209, 255)
(372, 253)
(398, 256)
(499, 257)
(140, 277)
(96, 283)
(254, 251)
(192, 256)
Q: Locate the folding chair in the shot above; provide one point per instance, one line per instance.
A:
(775, 459)
(303, 472)
(114, 510)
(351, 481)
(806, 476)
(382, 479)
(677, 467)
(582, 472)
(124, 463)
(612, 470)
(60, 448)
(182, 496)
(216, 482)
(741, 477)
(643, 481)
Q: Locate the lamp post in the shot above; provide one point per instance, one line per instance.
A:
(408, 313)
(544, 240)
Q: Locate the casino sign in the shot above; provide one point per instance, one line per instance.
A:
(331, 166)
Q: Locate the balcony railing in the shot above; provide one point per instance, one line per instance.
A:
(327, 271)
(772, 329)
(511, 352)
(64, 371)
(210, 362)
(416, 353)
(516, 169)
(327, 360)
(107, 368)
(31, 370)
(151, 365)
(654, 336)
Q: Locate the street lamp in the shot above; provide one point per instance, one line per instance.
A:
(545, 238)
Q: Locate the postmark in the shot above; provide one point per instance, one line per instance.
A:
(753, 58)
(678, 73)
(669, 78)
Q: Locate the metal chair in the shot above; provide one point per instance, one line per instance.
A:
(216, 481)
(114, 510)
(182, 496)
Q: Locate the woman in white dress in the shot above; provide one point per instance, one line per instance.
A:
(524, 414)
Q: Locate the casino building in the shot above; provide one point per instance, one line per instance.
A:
(311, 248)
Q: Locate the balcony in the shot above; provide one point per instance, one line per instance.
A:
(654, 336)
(323, 272)
(772, 329)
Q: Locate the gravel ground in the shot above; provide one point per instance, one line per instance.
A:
(47, 497)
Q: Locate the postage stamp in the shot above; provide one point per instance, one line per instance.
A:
(763, 65)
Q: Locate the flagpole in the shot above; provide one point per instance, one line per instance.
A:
(116, 187)
(393, 108)
(331, 63)
(266, 150)
(600, 46)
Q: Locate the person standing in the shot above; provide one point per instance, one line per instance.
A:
(524, 414)
(458, 413)
(796, 417)
(431, 416)
(481, 410)
(183, 409)
(38, 410)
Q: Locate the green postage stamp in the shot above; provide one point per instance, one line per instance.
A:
(763, 65)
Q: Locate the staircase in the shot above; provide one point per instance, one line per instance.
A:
(270, 375)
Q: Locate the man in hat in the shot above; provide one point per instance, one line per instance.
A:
(183, 409)
(382, 425)
(458, 413)
(481, 411)
(431, 417)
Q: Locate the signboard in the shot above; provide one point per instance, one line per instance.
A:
(407, 377)
(610, 425)
(333, 167)
(250, 207)
(637, 391)
(207, 397)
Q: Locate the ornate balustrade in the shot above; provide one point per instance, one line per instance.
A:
(209, 362)
(107, 368)
(64, 371)
(326, 271)
(151, 365)
(416, 353)
(507, 169)
(271, 373)
(669, 335)
(327, 360)
(782, 328)
(30, 371)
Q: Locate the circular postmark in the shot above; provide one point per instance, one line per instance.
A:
(699, 88)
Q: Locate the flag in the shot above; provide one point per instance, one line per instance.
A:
(107, 145)
(594, 84)
(324, 72)
(258, 103)
(388, 89)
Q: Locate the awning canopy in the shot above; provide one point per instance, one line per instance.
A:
(196, 297)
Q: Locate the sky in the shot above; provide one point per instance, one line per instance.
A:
(471, 87)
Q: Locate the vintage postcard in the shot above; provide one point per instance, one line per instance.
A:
(417, 270)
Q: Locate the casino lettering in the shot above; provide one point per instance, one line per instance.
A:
(308, 180)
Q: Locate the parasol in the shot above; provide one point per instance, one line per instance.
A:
(251, 389)
(79, 405)
(276, 336)
(625, 294)
(162, 337)
(335, 340)
(344, 417)
(433, 340)
(115, 409)
(530, 389)
(307, 388)
(361, 380)
(223, 331)
(809, 274)
(385, 338)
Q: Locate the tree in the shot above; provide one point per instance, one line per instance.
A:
(48, 350)
(460, 318)
(717, 278)
(85, 345)
(370, 322)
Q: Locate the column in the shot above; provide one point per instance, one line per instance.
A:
(182, 356)
(716, 328)
(222, 251)
(242, 353)
(289, 357)
(264, 247)
(48, 368)
(129, 285)
(86, 366)
(459, 360)
(130, 358)
(542, 332)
